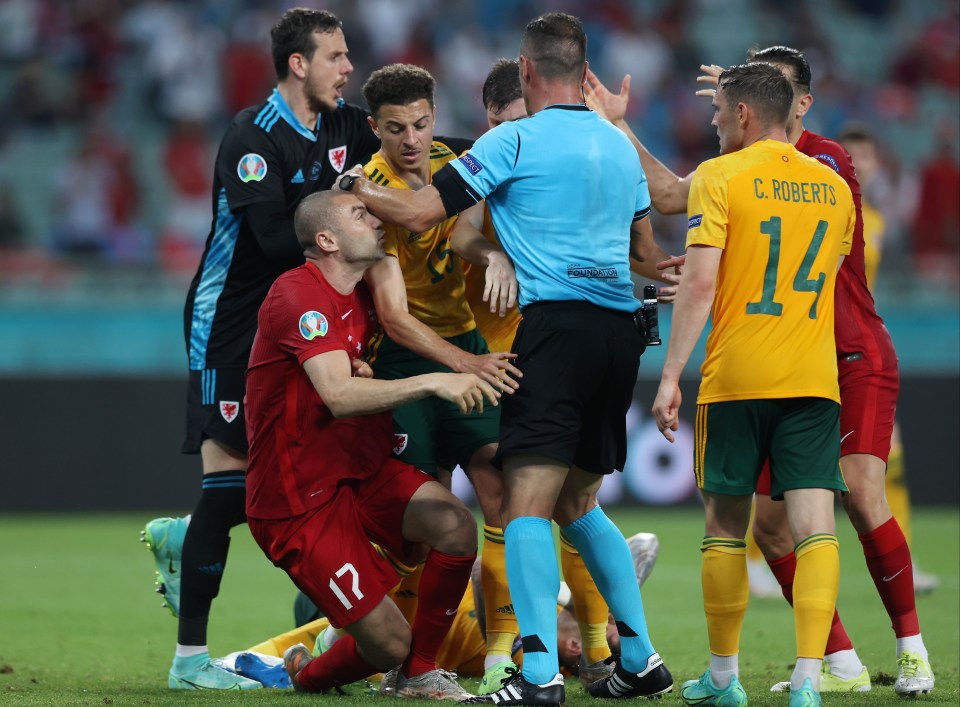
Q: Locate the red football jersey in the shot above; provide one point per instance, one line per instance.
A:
(857, 326)
(298, 450)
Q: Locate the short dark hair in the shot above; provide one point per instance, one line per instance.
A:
(763, 87)
(855, 132)
(502, 86)
(786, 56)
(293, 34)
(557, 45)
(316, 213)
(398, 85)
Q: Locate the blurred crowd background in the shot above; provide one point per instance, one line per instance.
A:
(111, 112)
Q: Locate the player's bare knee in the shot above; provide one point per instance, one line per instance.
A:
(455, 530)
(866, 508)
(772, 536)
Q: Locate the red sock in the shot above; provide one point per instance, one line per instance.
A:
(340, 664)
(442, 585)
(783, 569)
(888, 559)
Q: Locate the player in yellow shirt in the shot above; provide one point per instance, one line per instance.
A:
(426, 323)
(767, 229)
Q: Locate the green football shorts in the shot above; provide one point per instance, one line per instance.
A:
(800, 436)
(432, 433)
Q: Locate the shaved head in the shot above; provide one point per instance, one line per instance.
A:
(318, 212)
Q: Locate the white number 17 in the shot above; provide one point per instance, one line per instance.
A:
(354, 586)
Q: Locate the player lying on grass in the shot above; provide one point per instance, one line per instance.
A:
(464, 648)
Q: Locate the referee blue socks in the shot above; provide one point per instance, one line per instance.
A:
(606, 555)
(534, 580)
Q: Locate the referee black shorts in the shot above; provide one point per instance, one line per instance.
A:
(579, 364)
(215, 409)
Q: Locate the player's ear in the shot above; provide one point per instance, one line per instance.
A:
(373, 125)
(804, 105)
(326, 242)
(298, 65)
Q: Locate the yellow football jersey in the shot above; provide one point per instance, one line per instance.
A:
(497, 331)
(873, 230)
(783, 220)
(431, 271)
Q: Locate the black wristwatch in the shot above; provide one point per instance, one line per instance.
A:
(347, 182)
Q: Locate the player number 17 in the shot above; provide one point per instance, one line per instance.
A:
(354, 585)
(801, 282)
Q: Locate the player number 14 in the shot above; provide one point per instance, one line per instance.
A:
(801, 282)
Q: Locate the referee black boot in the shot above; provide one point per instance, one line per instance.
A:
(517, 691)
(653, 681)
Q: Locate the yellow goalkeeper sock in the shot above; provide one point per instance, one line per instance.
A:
(815, 587)
(591, 610)
(306, 634)
(726, 591)
(498, 608)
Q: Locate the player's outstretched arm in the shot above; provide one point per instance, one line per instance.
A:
(646, 253)
(416, 211)
(467, 239)
(347, 395)
(390, 298)
(668, 191)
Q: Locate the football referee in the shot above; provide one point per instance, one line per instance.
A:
(570, 203)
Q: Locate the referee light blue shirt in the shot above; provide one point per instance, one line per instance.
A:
(563, 187)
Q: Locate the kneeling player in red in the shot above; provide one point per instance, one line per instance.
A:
(321, 481)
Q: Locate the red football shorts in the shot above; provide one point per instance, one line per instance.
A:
(868, 407)
(327, 551)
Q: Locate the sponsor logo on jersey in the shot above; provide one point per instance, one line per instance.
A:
(694, 221)
(251, 168)
(229, 409)
(592, 272)
(315, 171)
(400, 442)
(828, 160)
(298, 177)
(337, 157)
(312, 325)
(508, 610)
(471, 163)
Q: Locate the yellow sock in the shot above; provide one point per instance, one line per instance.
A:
(406, 595)
(498, 608)
(898, 495)
(815, 592)
(726, 591)
(588, 604)
(306, 634)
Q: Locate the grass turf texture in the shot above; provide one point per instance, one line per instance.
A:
(79, 624)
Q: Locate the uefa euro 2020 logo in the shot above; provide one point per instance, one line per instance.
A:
(251, 168)
(312, 325)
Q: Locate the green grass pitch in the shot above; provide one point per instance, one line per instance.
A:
(79, 624)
